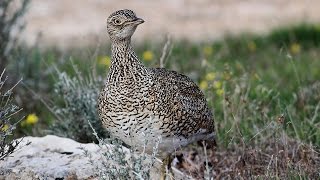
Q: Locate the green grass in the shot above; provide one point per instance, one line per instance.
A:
(260, 87)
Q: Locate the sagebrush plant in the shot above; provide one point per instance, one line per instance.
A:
(7, 110)
(118, 162)
(75, 101)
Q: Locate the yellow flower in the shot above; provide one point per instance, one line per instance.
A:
(227, 75)
(210, 76)
(207, 50)
(252, 46)
(217, 84)
(220, 92)
(104, 60)
(257, 76)
(203, 85)
(5, 128)
(32, 119)
(147, 55)
(295, 48)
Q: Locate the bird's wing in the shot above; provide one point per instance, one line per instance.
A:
(184, 98)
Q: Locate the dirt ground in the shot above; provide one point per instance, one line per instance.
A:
(72, 23)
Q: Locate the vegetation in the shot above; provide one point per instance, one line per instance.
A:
(264, 91)
(79, 96)
(9, 21)
(7, 111)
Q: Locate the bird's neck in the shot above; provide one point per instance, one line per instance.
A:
(122, 53)
(125, 65)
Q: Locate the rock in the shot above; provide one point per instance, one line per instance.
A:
(49, 157)
(53, 157)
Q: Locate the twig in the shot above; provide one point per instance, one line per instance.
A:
(207, 171)
(165, 52)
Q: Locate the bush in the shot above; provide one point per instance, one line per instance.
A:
(75, 105)
(118, 162)
(7, 110)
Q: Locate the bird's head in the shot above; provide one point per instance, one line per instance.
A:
(122, 24)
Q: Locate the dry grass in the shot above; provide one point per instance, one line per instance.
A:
(280, 159)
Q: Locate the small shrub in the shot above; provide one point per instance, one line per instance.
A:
(117, 162)
(75, 104)
(7, 110)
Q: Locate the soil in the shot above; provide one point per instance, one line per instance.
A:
(66, 23)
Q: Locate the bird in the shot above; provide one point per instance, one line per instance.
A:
(145, 106)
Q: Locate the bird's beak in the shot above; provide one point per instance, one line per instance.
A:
(137, 21)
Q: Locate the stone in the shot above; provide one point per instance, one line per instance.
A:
(52, 157)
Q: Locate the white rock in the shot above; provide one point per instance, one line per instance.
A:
(53, 157)
(49, 157)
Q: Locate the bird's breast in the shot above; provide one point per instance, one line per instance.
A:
(129, 97)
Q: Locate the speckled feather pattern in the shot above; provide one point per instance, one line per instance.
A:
(141, 105)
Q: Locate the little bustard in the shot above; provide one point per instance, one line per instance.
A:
(141, 105)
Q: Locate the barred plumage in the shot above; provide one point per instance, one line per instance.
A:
(139, 104)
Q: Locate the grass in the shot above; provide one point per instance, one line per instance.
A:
(263, 89)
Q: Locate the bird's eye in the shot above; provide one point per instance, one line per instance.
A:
(117, 21)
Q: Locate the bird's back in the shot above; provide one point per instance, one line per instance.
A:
(183, 102)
